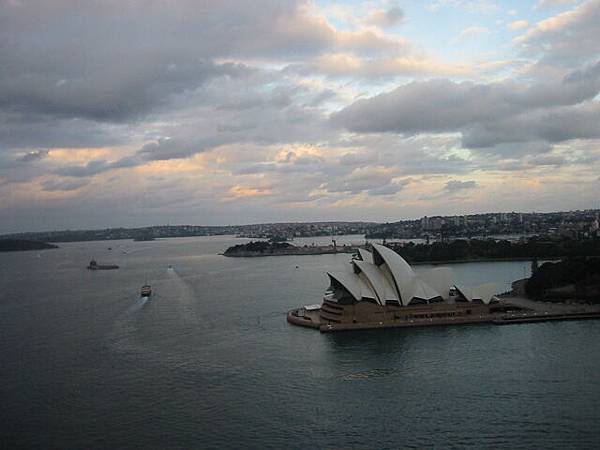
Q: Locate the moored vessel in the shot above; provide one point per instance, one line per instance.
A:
(146, 290)
(95, 266)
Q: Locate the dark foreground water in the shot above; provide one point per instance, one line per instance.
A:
(210, 362)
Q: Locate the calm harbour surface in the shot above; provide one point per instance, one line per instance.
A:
(209, 360)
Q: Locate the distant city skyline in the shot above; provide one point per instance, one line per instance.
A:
(579, 224)
(132, 113)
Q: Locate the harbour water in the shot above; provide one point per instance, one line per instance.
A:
(208, 361)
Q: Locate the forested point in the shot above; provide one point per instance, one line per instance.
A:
(576, 278)
(16, 245)
(482, 249)
(258, 247)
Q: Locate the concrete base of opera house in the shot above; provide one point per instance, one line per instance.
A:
(510, 310)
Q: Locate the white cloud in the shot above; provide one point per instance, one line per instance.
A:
(566, 39)
(471, 6)
(471, 33)
(517, 25)
(456, 185)
(386, 17)
(544, 4)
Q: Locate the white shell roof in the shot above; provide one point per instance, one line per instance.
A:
(466, 292)
(353, 284)
(394, 279)
(483, 292)
(423, 291)
(365, 255)
(401, 271)
(381, 286)
(348, 282)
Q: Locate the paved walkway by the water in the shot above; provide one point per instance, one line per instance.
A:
(550, 307)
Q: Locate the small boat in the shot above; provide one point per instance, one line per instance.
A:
(146, 290)
(95, 266)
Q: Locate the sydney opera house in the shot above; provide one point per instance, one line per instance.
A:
(380, 289)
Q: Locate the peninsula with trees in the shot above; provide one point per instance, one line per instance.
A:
(18, 245)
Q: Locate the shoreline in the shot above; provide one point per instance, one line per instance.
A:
(295, 251)
(484, 260)
(341, 250)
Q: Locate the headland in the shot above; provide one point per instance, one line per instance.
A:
(264, 248)
(18, 245)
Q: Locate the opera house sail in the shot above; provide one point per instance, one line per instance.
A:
(380, 289)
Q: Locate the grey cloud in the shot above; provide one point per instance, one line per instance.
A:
(116, 60)
(568, 38)
(358, 158)
(322, 97)
(543, 4)
(485, 114)
(455, 185)
(589, 73)
(63, 185)
(307, 160)
(389, 189)
(98, 166)
(444, 105)
(234, 128)
(368, 180)
(279, 98)
(388, 18)
(16, 167)
(169, 149)
(41, 131)
(256, 168)
(557, 125)
(35, 155)
(425, 154)
(292, 164)
(117, 95)
(92, 168)
(276, 123)
(547, 160)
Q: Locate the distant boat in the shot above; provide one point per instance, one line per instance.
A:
(146, 290)
(95, 266)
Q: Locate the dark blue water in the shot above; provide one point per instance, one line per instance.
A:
(210, 362)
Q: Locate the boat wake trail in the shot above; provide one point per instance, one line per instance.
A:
(170, 307)
(181, 295)
(137, 304)
(157, 329)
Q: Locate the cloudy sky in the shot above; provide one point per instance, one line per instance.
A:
(132, 113)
